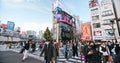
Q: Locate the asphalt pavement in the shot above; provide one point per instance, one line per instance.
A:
(13, 57)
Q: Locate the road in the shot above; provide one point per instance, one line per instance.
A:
(7, 55)
(13, 57)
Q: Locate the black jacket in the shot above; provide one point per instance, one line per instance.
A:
(95, 57)
(27, 46)
(48, 51)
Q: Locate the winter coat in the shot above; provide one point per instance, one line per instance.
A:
(48, 51)
(75, 50)
(55, 50)
(27, 45)
(95, 57)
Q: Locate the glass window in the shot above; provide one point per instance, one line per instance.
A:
(107, 13)
(109, 32)
(105, 2)
(94, 11)
(95, 17)
(107, 22)
(96, 25)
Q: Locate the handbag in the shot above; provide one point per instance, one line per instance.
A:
(110, 59)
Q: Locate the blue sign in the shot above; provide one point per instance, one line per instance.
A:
(10, 25)
(58, 9)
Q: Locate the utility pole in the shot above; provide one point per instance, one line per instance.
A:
(116, 17)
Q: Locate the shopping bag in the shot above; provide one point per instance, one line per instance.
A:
(110, 59)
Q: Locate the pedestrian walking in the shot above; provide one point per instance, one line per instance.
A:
(93, 54)
(75, 49)
(67, 48)
(85, 50)
(41, 45)
(26, 47)
(117, 58)
(48, 51)
(116, 51)
(70, 49)
(10, 45)
(55, 52)
(22, 46)
(105, 51)
(33, 46)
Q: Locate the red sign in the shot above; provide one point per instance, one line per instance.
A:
(86, 32)
(4, 25)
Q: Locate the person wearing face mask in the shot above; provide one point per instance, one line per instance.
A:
(48, 51)
(93, 54)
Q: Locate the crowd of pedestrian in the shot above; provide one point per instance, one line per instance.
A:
(93, 52)
(101, 52)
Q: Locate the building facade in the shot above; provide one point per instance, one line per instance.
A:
(102, 14)
(63, 23)
(31, 34)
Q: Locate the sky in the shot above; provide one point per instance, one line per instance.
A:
(37, 14)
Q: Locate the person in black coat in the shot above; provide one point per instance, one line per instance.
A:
(26, 47)
(117, 51)
(85, 50)
(93, 55)
(75, 49)
(33, 46)
(48, 51)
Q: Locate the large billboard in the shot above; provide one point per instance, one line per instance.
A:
(64, 17)
(4, 25)
(86, 32)
(10, 25)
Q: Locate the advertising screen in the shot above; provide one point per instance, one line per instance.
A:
(64, 17)
(10, 25)
(86, 31)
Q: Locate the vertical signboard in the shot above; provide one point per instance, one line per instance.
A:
(86, 32)
(10, 25)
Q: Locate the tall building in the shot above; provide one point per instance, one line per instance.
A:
(31, 34)
(102, 27)
(96, 20)
(63, 23)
